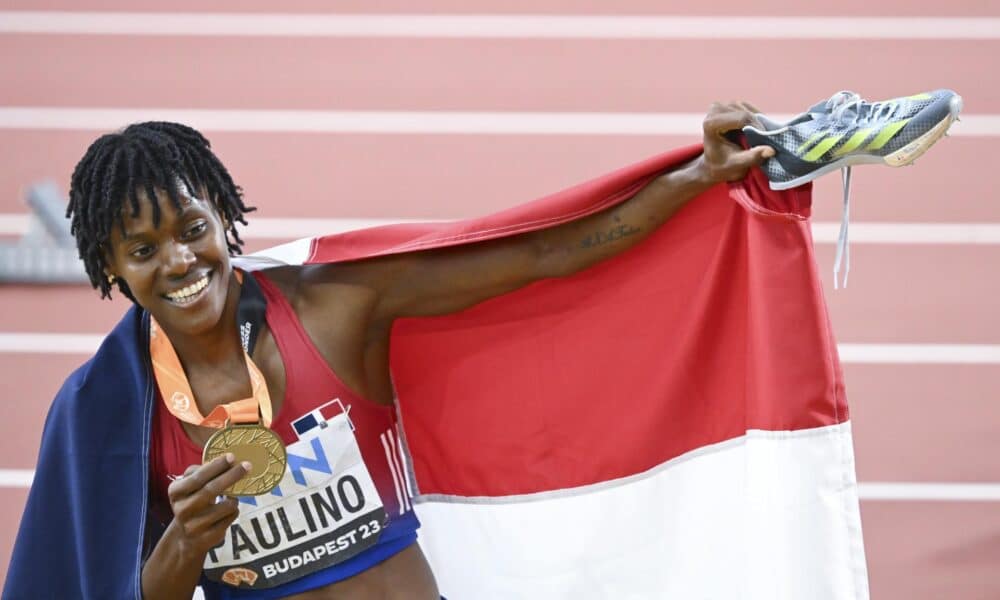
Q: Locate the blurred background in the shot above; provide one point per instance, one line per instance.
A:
(335, 117)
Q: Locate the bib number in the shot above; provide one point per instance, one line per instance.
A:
(324, 511)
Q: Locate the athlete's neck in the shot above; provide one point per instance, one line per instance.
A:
(217, 348)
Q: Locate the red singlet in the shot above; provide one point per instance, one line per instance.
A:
(310, 384)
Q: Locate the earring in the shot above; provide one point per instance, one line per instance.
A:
(111, 279)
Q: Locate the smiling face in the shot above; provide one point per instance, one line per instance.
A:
(178, 270)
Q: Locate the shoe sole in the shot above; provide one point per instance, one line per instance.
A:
(915, 149)
(900, 158)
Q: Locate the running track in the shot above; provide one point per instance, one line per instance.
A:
(918, 323)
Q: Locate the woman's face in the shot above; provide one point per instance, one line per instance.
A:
(179, 271)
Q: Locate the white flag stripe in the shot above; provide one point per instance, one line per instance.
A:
(874, 491)
(512, 26)
(278, 228)
(399, 122)
(394, 446)
(395, 476)
(86, 343)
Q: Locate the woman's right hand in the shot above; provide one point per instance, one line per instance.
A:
(200, 522)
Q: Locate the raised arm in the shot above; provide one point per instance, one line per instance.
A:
(442, 281)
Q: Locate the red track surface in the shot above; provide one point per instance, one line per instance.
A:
(913, 423)
(421, 74)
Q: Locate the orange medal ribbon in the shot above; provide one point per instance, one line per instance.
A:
(176, 390)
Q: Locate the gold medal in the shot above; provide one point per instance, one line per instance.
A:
(243, 423)
(256, 444)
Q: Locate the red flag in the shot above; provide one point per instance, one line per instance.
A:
(670, 423)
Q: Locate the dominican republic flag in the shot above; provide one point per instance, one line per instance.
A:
(670, 424)
(319, 416)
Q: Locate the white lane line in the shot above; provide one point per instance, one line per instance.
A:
(511, 26)
(911, 354)
(911, 233)
(399, 122)
(50, 343)
(946, 492)
(86, 343)
(930, 491)
(361, 121)
(263, 228)
(14, 223)
(16, 478)
(823, 233)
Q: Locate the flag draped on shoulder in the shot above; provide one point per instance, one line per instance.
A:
(670, 423)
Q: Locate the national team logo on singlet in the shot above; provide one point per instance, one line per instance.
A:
(325, 510)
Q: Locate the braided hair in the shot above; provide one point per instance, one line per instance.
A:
(148, 157)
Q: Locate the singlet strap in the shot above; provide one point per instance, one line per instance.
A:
(298, 351)
(301, 357)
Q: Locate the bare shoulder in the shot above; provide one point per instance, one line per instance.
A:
(323, 295)
(336, 306)
(284, 278)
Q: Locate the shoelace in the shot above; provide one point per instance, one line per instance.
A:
(843, 245)
(839, 104)
(842, 101)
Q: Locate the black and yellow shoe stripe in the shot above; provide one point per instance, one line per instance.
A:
(872, 138)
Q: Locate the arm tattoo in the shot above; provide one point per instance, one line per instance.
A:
(614, 234)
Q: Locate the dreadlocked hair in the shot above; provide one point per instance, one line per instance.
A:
(147, 157)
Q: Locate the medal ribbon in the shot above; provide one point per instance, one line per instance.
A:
(176, 390)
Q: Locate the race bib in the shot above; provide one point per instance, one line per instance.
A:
(325, 510)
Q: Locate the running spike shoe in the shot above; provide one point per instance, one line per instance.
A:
(846, 130)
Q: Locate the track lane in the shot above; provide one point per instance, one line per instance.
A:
(895, 295)
(960, 539)
(436, 74)
(34, 380)
(12, 500)
(453, 176)
(925, 422)
(58, 309)
(912, 423)
(914, 294)
(929, 550)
